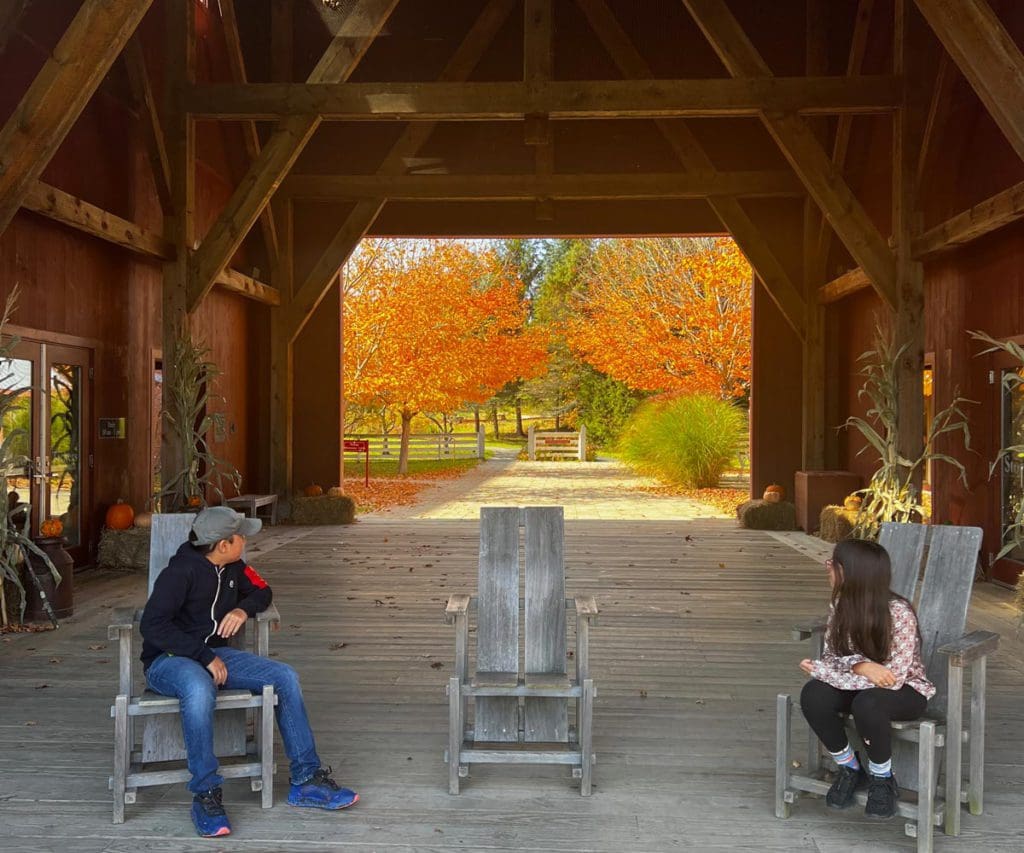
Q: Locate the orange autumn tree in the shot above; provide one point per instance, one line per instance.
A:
(431, 326)
(667, 315)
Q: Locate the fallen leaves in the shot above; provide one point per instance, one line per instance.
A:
(724, 501)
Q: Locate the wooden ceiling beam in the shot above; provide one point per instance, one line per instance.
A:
(844, 124)
(805, 154)
(694, 158)
(10, 15)
(363, 215)
(250, 136)
(988, 57)
(276, 158)
(996, 212)
(512, 101)
(599, 186)
(842, 286)
(149, 115)
(59, 93)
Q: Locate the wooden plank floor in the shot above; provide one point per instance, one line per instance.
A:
(691, 649)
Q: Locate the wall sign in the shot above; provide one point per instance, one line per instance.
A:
(112, 428)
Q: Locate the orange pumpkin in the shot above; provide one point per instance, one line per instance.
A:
(120, 516)
(774, 493)
(52, 527)
(853, 502)
(314, 491)
(194, 500)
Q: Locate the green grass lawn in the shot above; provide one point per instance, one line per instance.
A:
(389, 467)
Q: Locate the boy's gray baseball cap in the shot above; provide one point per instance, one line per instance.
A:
(220, 522)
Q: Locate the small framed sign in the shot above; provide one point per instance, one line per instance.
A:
(112, 428)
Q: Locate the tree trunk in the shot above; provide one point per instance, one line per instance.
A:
(558, 421)
(519, 419)
(476, 419)
(403, 454)
(494, 421)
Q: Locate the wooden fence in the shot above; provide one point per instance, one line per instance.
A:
(557, 445)
(458, 445)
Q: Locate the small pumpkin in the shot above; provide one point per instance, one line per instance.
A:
(194, 501)
(853, 502)
(774, 493)
(314, 491)
(52, 527)
(144, 519)
(335, 492)
(120, 515)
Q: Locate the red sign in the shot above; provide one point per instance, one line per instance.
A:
(358, 445)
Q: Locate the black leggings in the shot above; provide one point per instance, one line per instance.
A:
(872, 711)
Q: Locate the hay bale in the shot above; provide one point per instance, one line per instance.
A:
(124, 550)
(763, 515)
(836, 523)
(323, 509)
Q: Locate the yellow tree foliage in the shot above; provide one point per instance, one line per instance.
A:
(667, 315)
(431, 326)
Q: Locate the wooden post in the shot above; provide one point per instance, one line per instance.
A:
(583, 443)
(282, 365)
(179, 228)
(481, 439)
(908, 124)
(531, 443)
(341, 379)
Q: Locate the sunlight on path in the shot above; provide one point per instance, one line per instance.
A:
(587, 490)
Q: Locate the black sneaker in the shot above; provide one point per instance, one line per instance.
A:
(208, 815)
(883, 793)
(847, 781)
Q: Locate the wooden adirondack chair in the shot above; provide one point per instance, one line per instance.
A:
(160, 738)
(920, 746)
(520, 719)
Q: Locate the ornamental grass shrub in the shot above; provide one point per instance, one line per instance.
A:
(687, 440)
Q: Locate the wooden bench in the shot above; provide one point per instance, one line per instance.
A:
(250, 504)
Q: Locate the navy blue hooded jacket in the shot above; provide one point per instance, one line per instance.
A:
(189, 599)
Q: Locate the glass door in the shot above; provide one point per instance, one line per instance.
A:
(48, 389)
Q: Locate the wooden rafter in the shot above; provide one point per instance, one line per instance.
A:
(250, 136)
(694, 158)
(252, 195)
(512, 101)
(988, 57)
(996, 212)
(10, 14)
(152, 131)
(805, 154)
(938, 111)
(843, 285)
(538, 61)
(361, 218)
(59, 93)
(501, 186)
(844, 124)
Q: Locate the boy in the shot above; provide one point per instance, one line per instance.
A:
(199, 602)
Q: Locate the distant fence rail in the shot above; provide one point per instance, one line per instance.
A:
(557, 445)
(456, 445)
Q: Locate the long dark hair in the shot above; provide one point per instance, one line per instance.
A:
(860, 622)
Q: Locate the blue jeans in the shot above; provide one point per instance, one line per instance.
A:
(191, 683)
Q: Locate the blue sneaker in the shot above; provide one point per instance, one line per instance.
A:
(321, 792)
(209, 816)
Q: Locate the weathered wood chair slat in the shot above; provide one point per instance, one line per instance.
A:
(920, 746)
(160, 739)
(531, 707)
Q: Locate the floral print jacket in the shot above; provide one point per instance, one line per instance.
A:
(904, 660)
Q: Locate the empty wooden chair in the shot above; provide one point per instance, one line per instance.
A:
(920, 746)
(521, 716)
(147, 726)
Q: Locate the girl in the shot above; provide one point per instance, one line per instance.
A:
(871, 667)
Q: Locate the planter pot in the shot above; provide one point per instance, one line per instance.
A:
(61, 596)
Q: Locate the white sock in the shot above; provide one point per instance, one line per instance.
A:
(883, 769)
